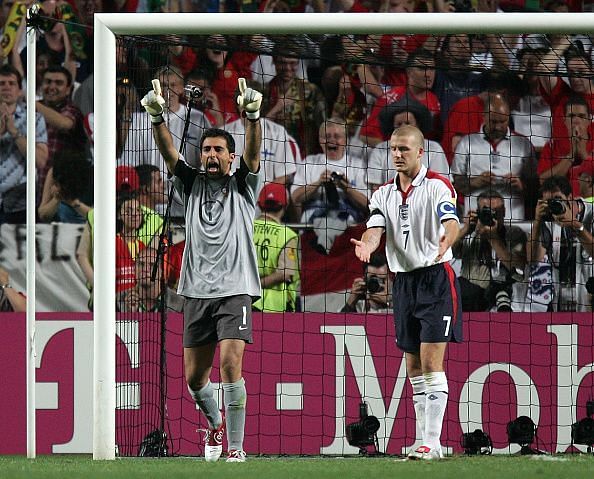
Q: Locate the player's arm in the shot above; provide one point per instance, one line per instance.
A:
(249, 101)
(368, 243)
(153, 103)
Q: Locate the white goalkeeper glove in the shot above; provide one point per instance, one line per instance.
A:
(249, 100)
(153, 103)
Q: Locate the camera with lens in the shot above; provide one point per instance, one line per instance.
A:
(486, 216)
(336, 176)
(363, 432)
(374, 284)
(477, 442)
(556, 206)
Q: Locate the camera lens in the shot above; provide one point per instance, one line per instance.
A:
(556, 206)
(486, 216)
(374, 284)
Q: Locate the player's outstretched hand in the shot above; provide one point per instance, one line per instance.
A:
(153, 102)
(249, 100)
(362, 250)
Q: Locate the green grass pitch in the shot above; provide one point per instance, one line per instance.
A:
(457, 467)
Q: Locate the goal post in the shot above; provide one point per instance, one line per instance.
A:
(106, 26)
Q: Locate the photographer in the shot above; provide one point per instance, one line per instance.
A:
(373, 293)
(560, 249)
(492, 254)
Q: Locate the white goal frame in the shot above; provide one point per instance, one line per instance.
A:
(108, 25)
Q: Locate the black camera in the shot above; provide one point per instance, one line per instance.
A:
(477, 442)
(556, 206)
(374, 284)
(486, 216)
(336, 176)
(363, 432)
(193, 92)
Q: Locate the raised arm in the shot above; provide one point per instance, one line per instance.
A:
(153, 103)
(249, 101)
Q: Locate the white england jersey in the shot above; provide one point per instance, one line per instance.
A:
(413, 219)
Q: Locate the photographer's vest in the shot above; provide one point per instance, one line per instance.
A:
(270, 238)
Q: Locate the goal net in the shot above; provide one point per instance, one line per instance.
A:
(507, 120)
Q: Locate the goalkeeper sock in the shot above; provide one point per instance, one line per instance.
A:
(419, 399)
(235, 400)
(436, 398)
(208, 405)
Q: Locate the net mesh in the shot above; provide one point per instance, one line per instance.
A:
(494, 111)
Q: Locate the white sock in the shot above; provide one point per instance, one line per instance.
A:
(436, 397)
(419, 387)
(235, 399)
(205, 399)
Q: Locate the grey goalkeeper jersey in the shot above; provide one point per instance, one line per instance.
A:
(219, 256)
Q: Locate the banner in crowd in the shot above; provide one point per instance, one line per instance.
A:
(60, 284)
(306, 375)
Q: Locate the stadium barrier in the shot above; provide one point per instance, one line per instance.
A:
(306, 375)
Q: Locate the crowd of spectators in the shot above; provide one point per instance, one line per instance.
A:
(501, 115)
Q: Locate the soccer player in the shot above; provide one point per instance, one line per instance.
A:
(219, 277)
(417, 212)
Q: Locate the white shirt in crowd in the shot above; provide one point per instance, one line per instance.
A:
(514, 154)
(280, 152)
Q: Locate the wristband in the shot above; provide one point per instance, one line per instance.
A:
(157, 119)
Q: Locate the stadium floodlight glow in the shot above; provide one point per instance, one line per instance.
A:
(363, 432)
(107, 25)
(522, 431)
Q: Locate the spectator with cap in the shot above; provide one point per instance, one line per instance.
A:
(277, 248)
(406, 111)
(148, 191)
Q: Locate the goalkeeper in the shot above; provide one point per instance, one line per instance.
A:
(219, 277)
